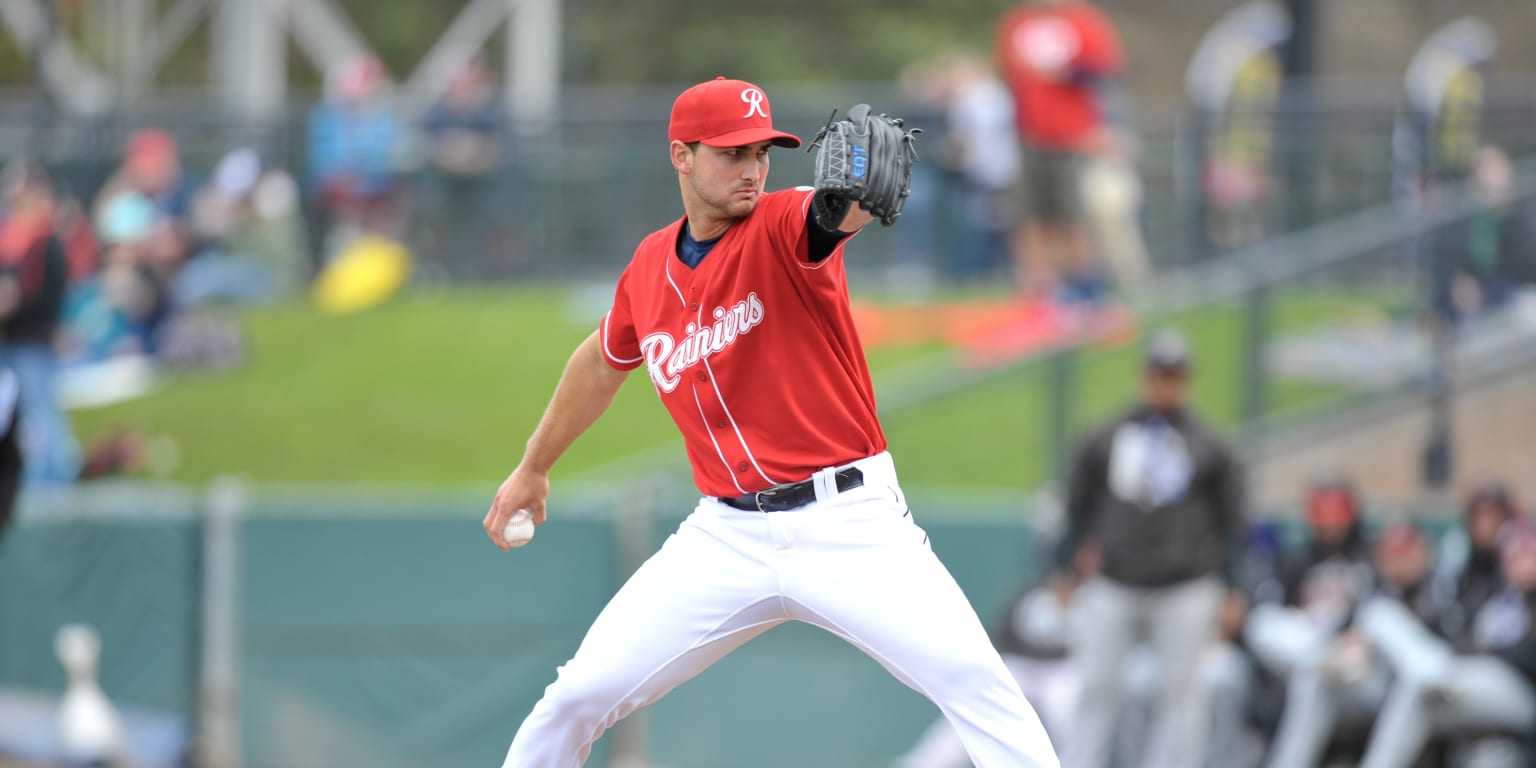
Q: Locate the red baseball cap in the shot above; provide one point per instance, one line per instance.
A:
(725, 113)
(1331, 506)
(1399, 538)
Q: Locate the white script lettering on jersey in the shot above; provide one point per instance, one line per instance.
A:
(666, 360)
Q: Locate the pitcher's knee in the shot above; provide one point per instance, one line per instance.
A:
(584, 705)
(960, 677)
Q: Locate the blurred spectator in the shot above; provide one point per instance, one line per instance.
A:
(120, 309)
(354, 140)
(1294, 641)
(33, 278)
(1055, 56)
(82, 250)
(1467, 569)
(1499, 252)
(246, 219)
(466, 132)
(142, 216)
(1491, 693)
(1112, 193)
(151, 169)
(1160, 497)
(979, 151)
(1402, 559)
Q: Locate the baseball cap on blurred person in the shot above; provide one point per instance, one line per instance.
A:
(237, 172)
(150, 147)
(1399, 538)
(1331, 502)
(356, 79)
(1167, 351)
(725, 113)
(1495, 495)
(126, 217)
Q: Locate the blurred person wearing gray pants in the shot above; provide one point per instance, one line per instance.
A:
(1155, 498)
(1336, 680)
(1436, 691)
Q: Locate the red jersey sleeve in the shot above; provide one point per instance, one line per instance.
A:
(620, 342)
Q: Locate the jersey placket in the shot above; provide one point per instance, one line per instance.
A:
(719, 422)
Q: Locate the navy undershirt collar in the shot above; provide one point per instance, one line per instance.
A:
(691, 251)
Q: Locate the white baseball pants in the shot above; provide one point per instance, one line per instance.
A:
(852, 563)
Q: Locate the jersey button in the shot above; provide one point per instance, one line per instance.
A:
(720, 424)
(742, 467)
(694, 307)
(703, 376)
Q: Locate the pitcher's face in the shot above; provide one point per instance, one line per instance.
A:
(728, 180)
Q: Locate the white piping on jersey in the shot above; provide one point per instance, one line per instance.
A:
(666, 266)
(729, 470)
(610, 355)
(734, 427)
(715, 383)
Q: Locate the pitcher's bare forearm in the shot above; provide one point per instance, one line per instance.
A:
(585, 391)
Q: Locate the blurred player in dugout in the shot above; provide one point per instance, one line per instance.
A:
(1156, 499)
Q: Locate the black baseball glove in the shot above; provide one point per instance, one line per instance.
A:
(864, 158)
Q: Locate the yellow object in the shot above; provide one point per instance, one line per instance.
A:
(363, 275)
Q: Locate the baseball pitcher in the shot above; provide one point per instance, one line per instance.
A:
(739, 312)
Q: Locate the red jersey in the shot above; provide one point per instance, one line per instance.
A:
(754, 352)
(1046, 54)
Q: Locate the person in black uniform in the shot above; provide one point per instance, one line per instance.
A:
(1160, 497)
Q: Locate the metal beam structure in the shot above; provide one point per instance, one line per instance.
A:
(322, 31)
(247, 63)
(532, 76)
(250, 74)
(468, 33)
(74, 83)
(164, 38)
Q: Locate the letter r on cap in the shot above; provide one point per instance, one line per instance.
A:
(754, 99)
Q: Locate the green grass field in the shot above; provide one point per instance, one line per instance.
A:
(440, 389)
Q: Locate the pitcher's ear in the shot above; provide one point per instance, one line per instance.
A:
(682, 156)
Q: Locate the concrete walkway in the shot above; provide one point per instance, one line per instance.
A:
(1494, 434)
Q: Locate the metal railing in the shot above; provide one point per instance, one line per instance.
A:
(574, 201)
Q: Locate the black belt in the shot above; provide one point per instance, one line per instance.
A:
(793, 496)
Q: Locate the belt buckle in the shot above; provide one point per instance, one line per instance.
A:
(757, 498)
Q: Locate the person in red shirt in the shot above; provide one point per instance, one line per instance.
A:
(34, 275)
(739, 312)
(1055, 55)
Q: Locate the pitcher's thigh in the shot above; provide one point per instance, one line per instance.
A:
(691, 603)
(901, 606)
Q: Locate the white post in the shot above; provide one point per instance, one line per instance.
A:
(533, 64)
(133, 29)
(249, 63)
(218, 721)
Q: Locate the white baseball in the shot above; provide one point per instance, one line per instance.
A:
(519, 529)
